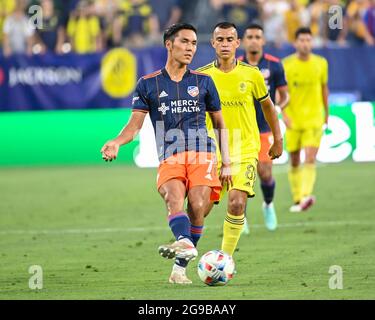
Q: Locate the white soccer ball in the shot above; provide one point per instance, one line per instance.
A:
(216, 268)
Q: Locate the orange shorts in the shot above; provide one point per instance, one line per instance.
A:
(266, 140)
(193, 169)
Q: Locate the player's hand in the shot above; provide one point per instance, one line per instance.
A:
(276, 149)
(110, 150)
(226, 175)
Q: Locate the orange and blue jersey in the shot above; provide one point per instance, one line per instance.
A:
(178, 110)
(274, 76)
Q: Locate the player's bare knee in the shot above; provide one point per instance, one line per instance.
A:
(199, 206)
(265, 175)
(236, 206)
(310, 158)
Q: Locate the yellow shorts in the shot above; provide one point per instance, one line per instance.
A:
(244, 175)
(299, 139)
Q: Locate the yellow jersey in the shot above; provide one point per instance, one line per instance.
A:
(84, 32)
(305, 80)
(237, 90)
(6, 8)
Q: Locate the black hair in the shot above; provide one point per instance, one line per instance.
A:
(225, 25)
(254, 26)
(302, 30)
(170, 32)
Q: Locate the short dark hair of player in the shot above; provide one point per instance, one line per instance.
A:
(302, 30)
(254, 26)
(170, 33)
(225, 25)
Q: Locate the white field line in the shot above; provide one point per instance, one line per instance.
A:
(145, 229)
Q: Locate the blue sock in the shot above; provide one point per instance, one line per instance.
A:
(268, 189)
(196, 233)
(180, 225)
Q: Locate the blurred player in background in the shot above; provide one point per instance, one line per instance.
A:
(177, 99)
(273, 73)
(239, 84)
(305, 116)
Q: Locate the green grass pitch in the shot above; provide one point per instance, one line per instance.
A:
(95, 232)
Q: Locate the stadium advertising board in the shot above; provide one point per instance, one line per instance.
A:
(350, 135)
(53, 82)
(76, 136)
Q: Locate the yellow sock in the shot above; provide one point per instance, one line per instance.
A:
(231, 232)
(308, 178)
(295, 182)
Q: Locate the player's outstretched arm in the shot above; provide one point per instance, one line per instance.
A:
(223, 140)
(270, 114)
(110, 149)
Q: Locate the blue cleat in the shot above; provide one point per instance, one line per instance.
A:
(245, 229)
(269, 214)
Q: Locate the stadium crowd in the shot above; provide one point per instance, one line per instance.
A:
(87, 26)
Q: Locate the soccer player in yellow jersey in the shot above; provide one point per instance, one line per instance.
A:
(238, 84)
(304, 116)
